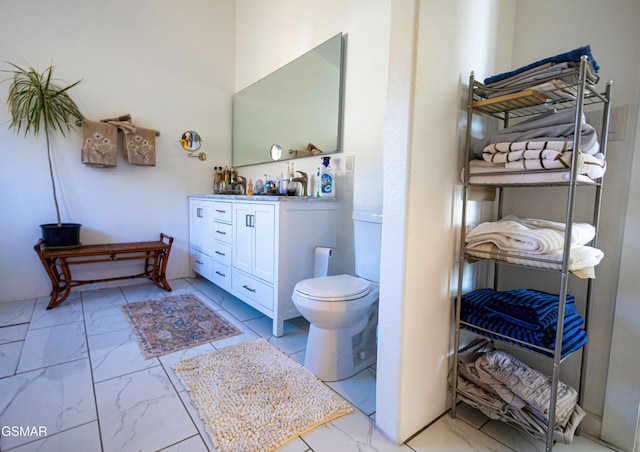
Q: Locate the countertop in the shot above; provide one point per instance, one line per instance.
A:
(270, 198)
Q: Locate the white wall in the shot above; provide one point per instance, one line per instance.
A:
(622, 399)
(170, 65)
(434, 46)
(270, 34)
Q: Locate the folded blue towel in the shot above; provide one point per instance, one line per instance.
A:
(528, 308)
(572, 55)
(474, 311)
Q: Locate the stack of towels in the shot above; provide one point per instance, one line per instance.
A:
(552, 75)
(535, 243)
(524, 314)
(504, 388)
(545, 142)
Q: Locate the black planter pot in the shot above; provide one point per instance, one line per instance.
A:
(65, 235)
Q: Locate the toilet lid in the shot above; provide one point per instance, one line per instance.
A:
(333, 288)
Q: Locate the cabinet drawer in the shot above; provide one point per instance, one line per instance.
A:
(201, 263)
(222, 253)
(222, 211)
(223, 232)
(252, 288)
(222, 275)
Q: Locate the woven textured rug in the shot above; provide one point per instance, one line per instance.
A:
(166, 325)
(253, 397)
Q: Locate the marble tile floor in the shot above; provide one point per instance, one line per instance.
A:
(74, 379)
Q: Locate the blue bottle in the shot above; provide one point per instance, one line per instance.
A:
(327, 179)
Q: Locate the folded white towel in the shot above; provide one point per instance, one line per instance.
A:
(535, 236)
(481, 172)
(582, 259)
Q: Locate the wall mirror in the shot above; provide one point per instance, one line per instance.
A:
(299, 106)
(191, 142)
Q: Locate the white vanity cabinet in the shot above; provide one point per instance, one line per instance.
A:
(261, 247)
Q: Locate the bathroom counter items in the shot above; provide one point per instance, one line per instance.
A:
(258, 247)
(262, 198)
(57, 261)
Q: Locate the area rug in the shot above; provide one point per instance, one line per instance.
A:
(174, 323)
(253, 397)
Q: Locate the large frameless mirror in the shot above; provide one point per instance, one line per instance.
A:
(299, 106)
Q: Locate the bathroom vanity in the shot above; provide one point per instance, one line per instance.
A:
(258, 247)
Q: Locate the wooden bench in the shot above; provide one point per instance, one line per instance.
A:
(56, 262)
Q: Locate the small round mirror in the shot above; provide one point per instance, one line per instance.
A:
(276, 151)
(191, 141)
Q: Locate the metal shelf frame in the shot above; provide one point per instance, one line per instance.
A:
(504, 108)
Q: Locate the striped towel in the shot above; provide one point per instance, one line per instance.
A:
(547, 155)
(475, 311)
(528, 308)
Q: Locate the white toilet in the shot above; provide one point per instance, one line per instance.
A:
(343, 309)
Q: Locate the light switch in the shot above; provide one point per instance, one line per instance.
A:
(349, 164)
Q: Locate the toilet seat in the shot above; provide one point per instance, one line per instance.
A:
(333, 288)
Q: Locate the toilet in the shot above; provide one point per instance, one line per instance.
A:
(343, 310)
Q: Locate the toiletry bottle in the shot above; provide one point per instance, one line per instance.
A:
(318, 183)
(327, 180)
(250, 188)
(227, 177)
(290, 172)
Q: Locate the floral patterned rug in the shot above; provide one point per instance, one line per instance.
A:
(166, 325)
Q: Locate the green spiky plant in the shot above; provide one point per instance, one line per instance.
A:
(35, 100)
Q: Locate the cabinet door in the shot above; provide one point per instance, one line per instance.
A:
(207, 228)
(242, 237)
(197, 219)
(264, 241)
(254, 239)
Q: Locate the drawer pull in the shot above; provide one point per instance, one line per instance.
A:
(199, 263)
(221, 274)
(221, 211)
(221, 232)
(249, 288)
(220, 253)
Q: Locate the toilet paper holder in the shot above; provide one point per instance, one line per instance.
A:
(322, 264)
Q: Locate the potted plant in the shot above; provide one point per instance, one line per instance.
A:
(36, 101)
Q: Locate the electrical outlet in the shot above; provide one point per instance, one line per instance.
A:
(349, 164)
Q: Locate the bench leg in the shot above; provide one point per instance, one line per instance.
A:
(158, 275)
(59, 282)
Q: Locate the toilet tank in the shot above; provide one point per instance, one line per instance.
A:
(367, 236)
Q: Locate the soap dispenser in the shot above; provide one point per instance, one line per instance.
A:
(327, 179)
